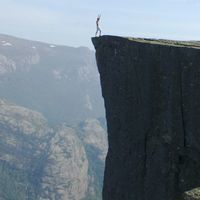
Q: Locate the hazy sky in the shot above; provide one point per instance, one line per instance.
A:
(72, 22)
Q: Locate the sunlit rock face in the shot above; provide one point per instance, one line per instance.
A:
(65, 175)
(23, 136)
(58, 164)
(95, 136)
(193, 194)
(151, 93)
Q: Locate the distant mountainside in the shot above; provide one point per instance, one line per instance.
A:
(38, 162)
(53, 139)
(60, 82)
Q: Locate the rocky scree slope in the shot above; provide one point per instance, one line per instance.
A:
(151, 93)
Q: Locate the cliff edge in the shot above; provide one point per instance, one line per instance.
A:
(151, 90)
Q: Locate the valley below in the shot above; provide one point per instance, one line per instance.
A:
(53, 138)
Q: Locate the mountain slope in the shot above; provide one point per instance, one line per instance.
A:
(49, 85)
(38, 162)
(23, 140)
(60, 82)
(65, 174)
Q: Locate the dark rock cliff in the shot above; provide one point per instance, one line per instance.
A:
(151, 90)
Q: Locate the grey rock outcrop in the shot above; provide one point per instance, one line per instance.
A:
(39, 162)
(23, 136)
(151, 92)
(192, 194)
(94, 135)
(6, 65)
(65, 175)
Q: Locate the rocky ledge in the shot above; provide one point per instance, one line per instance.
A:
(152, 100)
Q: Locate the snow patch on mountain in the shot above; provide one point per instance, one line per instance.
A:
(4, 43)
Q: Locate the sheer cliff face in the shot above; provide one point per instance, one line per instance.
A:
(151, 93)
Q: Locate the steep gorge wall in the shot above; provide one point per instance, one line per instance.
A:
(151, 90)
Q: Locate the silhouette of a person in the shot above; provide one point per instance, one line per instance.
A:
(98, 29)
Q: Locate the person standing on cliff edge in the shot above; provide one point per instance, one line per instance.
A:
(97, 23)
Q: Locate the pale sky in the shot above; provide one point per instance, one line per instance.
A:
(72, 22)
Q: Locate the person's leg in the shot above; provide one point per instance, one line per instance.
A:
(96, 33)
(99, 32)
